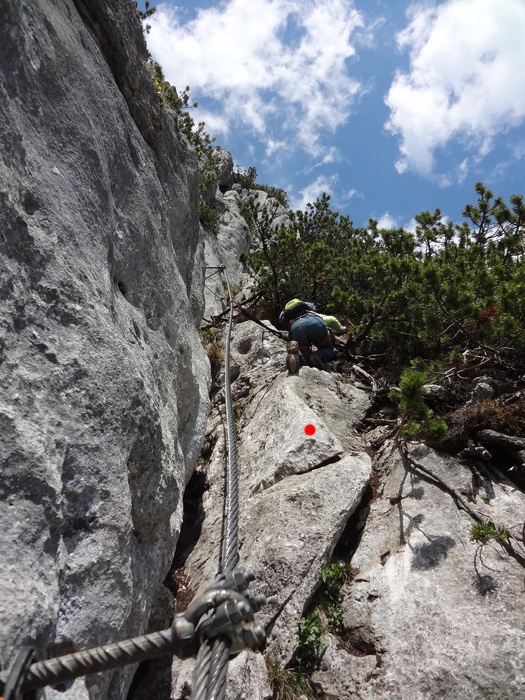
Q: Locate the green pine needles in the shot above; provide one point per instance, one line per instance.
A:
(444, 287)
(247, 178)
(483, 533)
(417, 419)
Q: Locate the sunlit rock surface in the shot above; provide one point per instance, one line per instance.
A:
(296, 491)
(104, 382)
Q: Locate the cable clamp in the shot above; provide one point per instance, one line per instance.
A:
(228, 611)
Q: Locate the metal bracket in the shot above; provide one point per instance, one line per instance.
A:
(225, 610)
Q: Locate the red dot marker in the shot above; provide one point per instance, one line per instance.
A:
(310, 429)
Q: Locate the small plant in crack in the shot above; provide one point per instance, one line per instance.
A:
(287, 683)
(326, 615)
(329, 596)
(310, 641)
(485, 532)
(210, 339)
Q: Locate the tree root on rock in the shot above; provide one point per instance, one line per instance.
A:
(462, 503)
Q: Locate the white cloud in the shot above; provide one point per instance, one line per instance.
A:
(268, 64)
(387, 221)
(215, 123)
(501, 170)
(354, 194)
(464, 82)
(519, 149)
(274, 146)
(315, 189)
(331, 155)
(411, 226)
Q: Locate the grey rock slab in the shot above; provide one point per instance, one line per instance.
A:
(296, 492)
(285, 449)
(224, 167)
(289, 532)
(340, 673)
(225, 249)
(440, 616)
(310, 398)
(435, 391)
(234, 238)
(104, 382)
(247, 678)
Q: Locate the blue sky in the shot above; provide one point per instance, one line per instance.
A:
(391, 107)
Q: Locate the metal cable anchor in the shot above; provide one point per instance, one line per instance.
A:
(226, 603)
(233, 618)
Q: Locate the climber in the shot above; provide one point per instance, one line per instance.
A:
(307, 328)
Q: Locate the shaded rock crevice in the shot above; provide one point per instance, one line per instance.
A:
(193, 517)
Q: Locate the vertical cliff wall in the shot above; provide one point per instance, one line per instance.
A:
(103, 396)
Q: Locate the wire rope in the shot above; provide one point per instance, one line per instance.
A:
(230, 553)
(210, 674)
(218, 669)
(214, 294)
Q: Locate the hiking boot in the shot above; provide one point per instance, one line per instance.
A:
(317, 361)
(293, 359)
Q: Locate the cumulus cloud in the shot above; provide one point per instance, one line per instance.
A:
(387, 221)
(274, 146)
(315, 189)
(464, 84)
(269, 65)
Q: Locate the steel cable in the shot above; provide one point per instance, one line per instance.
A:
(100, 658)
(218, 669)
(230, 554)
(230, 625)
(219, 298)
(209, 678)
(201, 672)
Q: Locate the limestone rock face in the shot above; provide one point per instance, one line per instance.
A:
(297, 492)
(234, 237)
(104, 404)
(104, 382)
(430, 613)
(224, 169)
